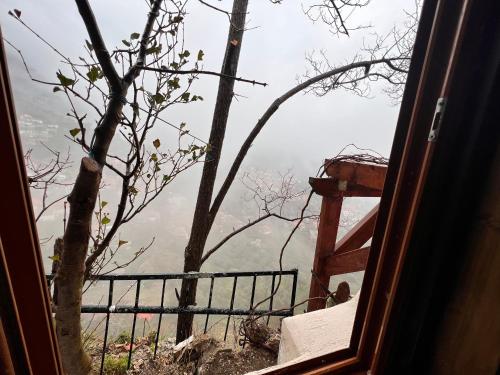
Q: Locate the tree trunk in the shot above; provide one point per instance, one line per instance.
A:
(72, 267)
(201, 222)
(70, 275)
(58, 250)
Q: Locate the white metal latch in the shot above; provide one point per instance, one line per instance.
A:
(438, 118)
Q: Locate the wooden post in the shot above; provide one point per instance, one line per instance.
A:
(345, 179)
(325, 243)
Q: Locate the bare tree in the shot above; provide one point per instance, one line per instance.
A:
(336, 14)
(273, 199)
(44, 176)
(386, 59)
(202, 221)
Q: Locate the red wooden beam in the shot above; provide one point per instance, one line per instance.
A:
(347, 262)
(359, 234)
(367, 175)
(329, 187)
(346, 179)
(327, 236)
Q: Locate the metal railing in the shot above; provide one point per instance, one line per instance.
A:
(162, 309)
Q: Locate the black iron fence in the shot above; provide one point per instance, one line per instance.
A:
(163, 309)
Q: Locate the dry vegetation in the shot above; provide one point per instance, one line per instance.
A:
(201, 355)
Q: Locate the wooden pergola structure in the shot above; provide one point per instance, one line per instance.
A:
(332, 257)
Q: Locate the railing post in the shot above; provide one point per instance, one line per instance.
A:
(329, 218)
(132, 336)
(212, 280)
(233, 293)
(106, 329)
(294, 292)
(272, 298)
(159, 318)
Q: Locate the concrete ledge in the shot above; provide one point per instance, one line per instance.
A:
(316, 333)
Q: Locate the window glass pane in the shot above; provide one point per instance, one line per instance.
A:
(334, 73)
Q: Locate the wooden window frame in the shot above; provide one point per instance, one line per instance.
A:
(25, 309)
(436, 52)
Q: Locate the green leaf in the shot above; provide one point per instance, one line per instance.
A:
(184, 54)
(174, 83)
(158, 98)
(200, 55)
(74, 132)
(122, 242)
(89, 45)
(126, 43)
(177, 19)
(135, 36)
(105, 220)
(56, 89)
(65, 81)
(185, 96)
(104, 204)
(94, 74)
(156, 143)
(166, 178)
(55, 258)
(154, 157)
(132, 190)
(18, 13)
(154, 49)
(182, 125)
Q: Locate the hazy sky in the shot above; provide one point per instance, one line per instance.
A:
(304, 131)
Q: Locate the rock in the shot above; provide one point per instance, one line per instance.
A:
(343, 293)
(194, 348)
(260, 335)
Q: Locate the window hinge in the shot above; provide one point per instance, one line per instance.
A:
(437, 120)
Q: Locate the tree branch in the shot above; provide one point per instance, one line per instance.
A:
(45, 208)
(265, 118)
(195, 71)
(99, 46)
(246, 226)
(89, 262)
(141, 57)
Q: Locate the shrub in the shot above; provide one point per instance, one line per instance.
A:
(115, 365)
(123, 338)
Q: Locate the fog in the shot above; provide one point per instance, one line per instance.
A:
(306, 129)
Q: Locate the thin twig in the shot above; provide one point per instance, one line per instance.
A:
(205, 72)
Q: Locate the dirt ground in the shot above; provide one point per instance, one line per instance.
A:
(203, 356)
(227, 361)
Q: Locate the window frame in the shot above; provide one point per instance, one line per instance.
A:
(25, 310)
(439, 37)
